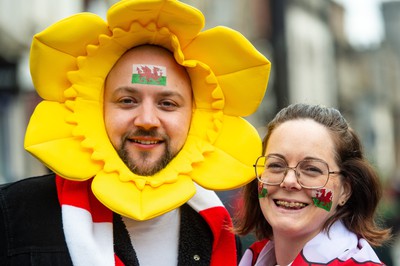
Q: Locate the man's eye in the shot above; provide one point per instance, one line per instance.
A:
(127, 101)
(168, 105)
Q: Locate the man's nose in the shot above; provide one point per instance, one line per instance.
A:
(147, 116)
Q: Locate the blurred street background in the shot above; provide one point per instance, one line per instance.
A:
(341, 53)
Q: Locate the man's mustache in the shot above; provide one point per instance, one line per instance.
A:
(144, 133)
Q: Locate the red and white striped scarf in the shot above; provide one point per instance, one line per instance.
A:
(88, 225)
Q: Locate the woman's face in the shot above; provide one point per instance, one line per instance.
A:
(289, 208)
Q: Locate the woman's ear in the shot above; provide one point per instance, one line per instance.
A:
(345, 193)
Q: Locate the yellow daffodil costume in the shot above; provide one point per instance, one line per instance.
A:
(70, 61)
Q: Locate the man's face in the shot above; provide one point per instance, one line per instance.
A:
(147, 119)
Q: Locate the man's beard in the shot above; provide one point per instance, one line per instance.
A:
(139, 167)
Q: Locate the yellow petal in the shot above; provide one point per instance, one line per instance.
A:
(242, 71)
(127, 200)
(236, 148)
(181, 19)
(54, 52)
(48, 123)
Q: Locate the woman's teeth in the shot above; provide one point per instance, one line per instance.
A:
(292, 205)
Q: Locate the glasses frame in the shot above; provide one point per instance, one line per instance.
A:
(297, 173)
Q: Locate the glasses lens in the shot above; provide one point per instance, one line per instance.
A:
(273, 171)
(313, 173)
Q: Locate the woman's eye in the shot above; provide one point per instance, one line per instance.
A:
(276, 167)
(311, 170)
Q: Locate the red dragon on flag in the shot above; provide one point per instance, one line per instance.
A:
(323, 198)
(149, 74)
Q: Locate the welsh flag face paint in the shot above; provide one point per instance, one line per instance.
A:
(262, 190)
(149, 74)
(322, 198)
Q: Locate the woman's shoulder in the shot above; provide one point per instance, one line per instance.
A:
(252, 253)
(258, 245)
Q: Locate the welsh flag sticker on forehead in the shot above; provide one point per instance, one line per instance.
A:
(149, 74)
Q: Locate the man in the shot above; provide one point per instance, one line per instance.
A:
(140, 122)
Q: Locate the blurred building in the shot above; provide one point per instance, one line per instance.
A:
(390, 69)
(19, 21)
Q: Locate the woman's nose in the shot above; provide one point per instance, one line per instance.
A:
(290, 181)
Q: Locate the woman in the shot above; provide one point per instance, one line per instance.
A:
(315, 195)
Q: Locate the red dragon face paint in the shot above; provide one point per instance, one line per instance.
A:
(149, 74)
(322, 198)
(262, 190)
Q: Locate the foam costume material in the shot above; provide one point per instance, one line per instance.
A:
(70, 61)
